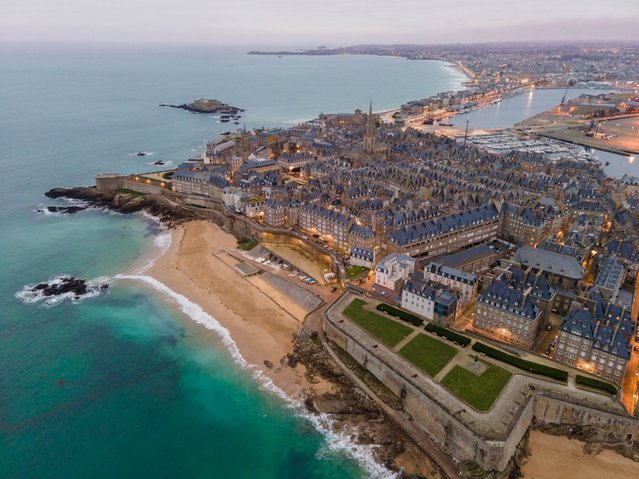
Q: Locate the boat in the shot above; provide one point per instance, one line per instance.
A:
(141, 153)
(225, 120)
(236, 122)
(159, 163)
(607, 163)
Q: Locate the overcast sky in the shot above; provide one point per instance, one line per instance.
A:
(312, 22)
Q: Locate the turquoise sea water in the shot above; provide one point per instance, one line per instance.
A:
(126, 384)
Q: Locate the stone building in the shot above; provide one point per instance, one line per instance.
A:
(596, 338)
(446, 234)
(393, 271)
(507, 313)
(328, 224)
(435, 303)
(465, 284)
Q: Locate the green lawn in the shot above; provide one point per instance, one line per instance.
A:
(354, 271)
(428, 354)
(386, 330)
(478, 391)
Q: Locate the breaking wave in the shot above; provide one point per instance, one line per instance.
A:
(335, 442)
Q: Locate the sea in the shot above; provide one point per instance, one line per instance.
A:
(138, 381)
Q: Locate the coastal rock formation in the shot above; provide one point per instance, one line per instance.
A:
(63, 209)
(355, 414)
(66, 284)
(207, 106)
(128, 202)
(60, 288)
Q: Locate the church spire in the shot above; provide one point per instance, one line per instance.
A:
(369, 135)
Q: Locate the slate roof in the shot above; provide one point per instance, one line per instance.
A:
(503, 296)
(452, 273)
(556, 263)
(444, 224)
(439, 295)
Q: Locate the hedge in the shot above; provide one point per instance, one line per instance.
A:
(463, 341)
(596, 384)
(403, 315)
(522, 364)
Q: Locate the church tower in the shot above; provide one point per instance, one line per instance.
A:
(369, 135)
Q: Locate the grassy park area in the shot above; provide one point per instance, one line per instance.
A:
(478, 390)
(386, 330)
(354, 271)
(428, 354)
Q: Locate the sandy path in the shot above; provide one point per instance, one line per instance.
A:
(557, 457)
(196, 265)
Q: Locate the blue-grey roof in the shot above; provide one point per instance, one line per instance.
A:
(442, 225)
(452, 273)
(503, 296)
(439, 295)
(362, 253)
(555, 263)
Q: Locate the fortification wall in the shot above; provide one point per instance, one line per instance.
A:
(109, 181)
(457, 437)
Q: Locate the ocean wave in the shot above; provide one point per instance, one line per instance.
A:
(35, 293)
(334, 441)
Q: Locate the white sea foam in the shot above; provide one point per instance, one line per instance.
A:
(297, 121)
(76, 202)
(335, 442)
(29, 295)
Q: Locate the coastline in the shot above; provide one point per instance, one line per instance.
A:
(263, 333)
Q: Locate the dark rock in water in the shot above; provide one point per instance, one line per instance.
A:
(104, 286)
(204, 105)
(65, 209)
(66, 285)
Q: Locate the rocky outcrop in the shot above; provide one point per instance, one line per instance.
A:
(63, 209)
(354, 414)
(167, 211)
(207, 106)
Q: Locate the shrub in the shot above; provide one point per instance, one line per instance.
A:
(596, 384)
(520, 363)
(403, 315)
(448, 334)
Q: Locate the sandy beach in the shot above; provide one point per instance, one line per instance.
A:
(197, 266)
(557, 457)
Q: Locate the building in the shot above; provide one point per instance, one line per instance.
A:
(369, 135)
(447, 233)
(362, 257)
(393, 271)
(463, 283)
(436, 304)
(610, 278)
(596, 339)
(472, 260)
(328, 224)
(507, 313)
(565, 272)
(531, 225)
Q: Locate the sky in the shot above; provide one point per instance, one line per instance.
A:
(310, 23)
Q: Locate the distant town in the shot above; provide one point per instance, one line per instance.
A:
(469, 269)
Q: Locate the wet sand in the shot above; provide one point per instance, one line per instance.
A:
(557, 457)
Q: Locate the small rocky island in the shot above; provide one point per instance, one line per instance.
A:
(208, 106)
